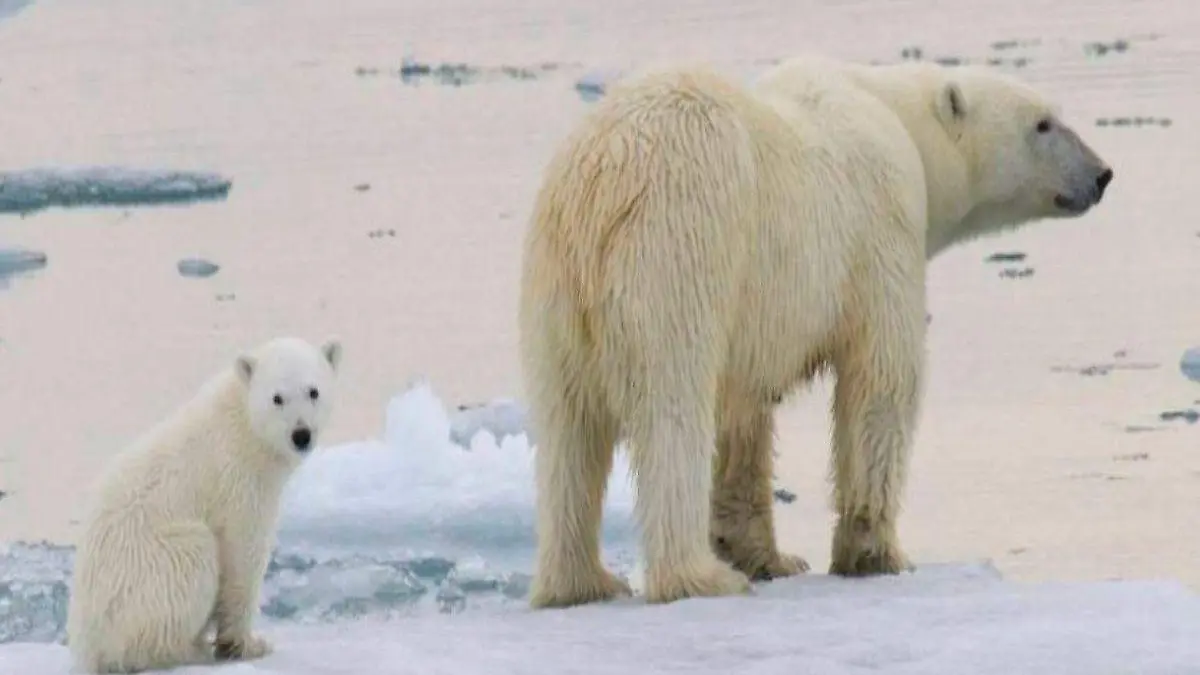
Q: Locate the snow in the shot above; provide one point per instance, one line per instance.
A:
(32, 190)
(952, 620)
(372, 509)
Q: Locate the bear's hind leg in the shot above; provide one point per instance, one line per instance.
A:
(672, 429)
(743, 524)
(875, 407)
(672, 450)
(573, 460)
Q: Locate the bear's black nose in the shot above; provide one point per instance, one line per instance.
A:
(301, 438)
(1103, 180)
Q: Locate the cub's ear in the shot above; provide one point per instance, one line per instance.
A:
(332, 350)
(951, 105)
(244, 365)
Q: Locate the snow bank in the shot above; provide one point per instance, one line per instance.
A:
(417, 490)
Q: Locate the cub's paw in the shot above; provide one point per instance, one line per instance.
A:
(245, 648)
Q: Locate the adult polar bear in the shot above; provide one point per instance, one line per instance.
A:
(699, 248)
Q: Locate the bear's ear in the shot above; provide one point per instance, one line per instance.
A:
(244, 365)
(952, 105)
(332, 350)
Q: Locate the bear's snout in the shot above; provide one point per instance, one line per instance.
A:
(1086, 193)
(301, 438)
(1102, 182)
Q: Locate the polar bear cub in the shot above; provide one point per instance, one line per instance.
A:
(182, 524)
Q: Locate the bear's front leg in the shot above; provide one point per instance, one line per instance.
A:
(876, 402)
(742, 531)
(244, 557)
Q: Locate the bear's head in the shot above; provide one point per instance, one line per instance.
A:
(289, 392)
(1019, 160)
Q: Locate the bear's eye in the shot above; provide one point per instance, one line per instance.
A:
(277, 400)
(314, 394)
(1043, 126)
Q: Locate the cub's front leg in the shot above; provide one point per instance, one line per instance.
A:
(244, 557)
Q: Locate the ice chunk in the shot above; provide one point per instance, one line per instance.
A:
(591, 87)
(14, 261)
(417, 491)
(35, 189)
(1190, 364)
(501, 418)
(197, 268)
(10, 8)
(35, 581)
(34, 592)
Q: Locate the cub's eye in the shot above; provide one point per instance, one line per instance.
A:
(1043, 126)
(277, 400)
(314, 394)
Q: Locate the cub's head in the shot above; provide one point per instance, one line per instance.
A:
(1022, 161)
(289, 392)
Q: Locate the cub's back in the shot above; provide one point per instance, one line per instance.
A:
(167, 472)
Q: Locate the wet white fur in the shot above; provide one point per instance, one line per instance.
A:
(183, 521)
(699, 249)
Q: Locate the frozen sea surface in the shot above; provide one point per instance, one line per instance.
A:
(396, 553)
(953, 620)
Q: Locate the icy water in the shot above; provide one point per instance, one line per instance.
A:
(383, 157)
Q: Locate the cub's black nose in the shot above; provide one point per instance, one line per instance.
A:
(301, 438)
(1103, 180)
